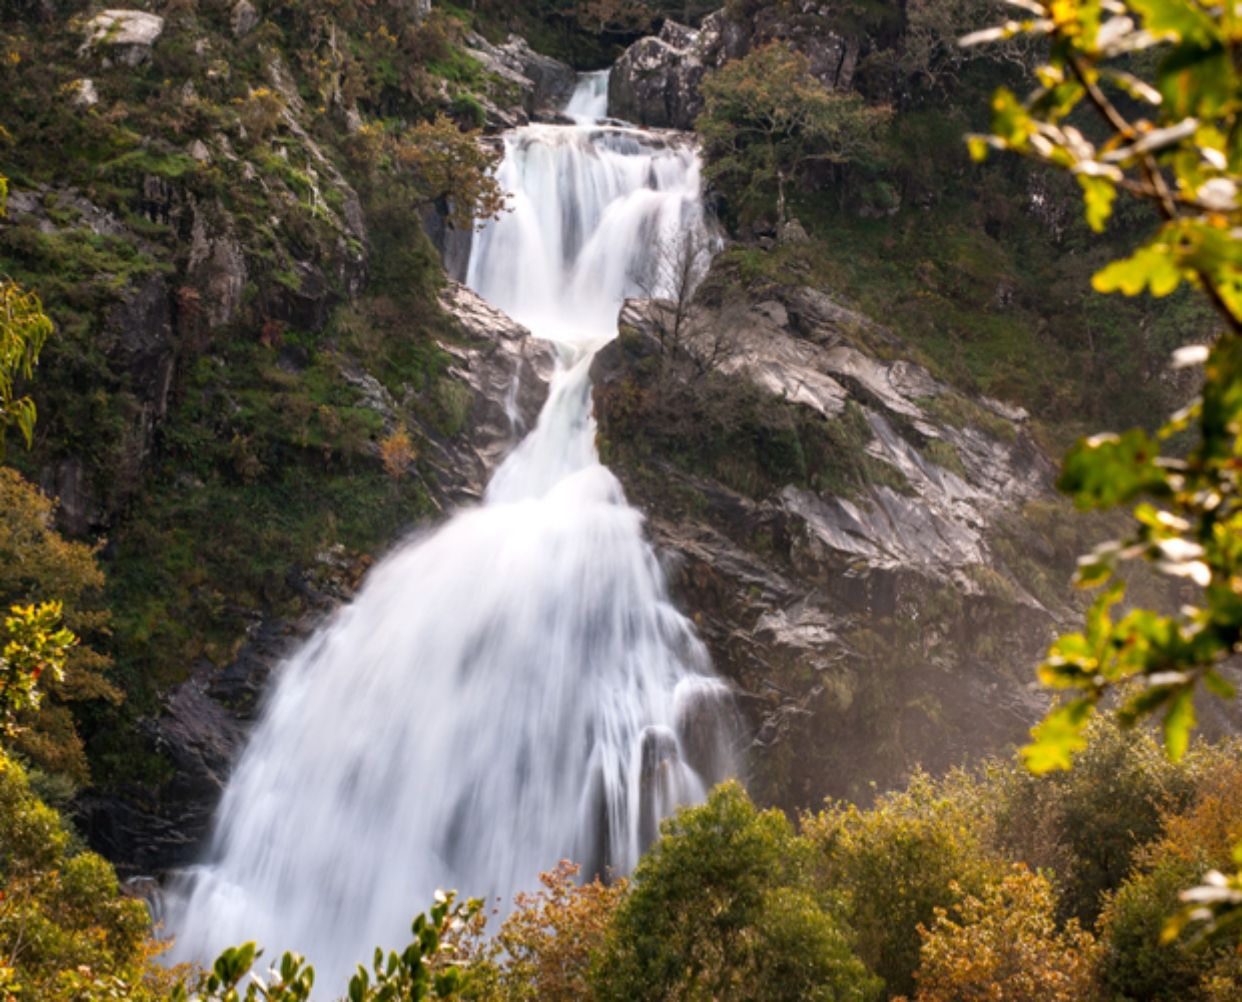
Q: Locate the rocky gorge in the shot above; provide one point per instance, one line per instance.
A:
(873, 552)
(812, 599)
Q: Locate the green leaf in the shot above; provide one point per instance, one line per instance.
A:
(1179, 721)
(1059, 737)
(1011, 121)
(1219, 686)
(1152, 267)
(1108, 470)
(1099, 193)
(1178, 21)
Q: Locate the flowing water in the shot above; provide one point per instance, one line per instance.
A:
(515, 687)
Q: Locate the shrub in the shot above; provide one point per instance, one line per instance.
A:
(914, 852)
(66, 931)
(1088, 824)
(547, 946)
(1136, 964)
(1005, 947)
(722, 908)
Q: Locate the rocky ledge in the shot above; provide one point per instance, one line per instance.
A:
(879, 614)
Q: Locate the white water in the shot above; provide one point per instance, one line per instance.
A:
(514, 688)
(590, 101)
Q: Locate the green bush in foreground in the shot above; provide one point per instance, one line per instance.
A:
(723, 907)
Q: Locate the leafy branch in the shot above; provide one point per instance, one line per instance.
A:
(1175, 143)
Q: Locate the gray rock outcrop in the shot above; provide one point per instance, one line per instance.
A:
(902, 595)
(542, 85)
(656, 81)
(126, 35)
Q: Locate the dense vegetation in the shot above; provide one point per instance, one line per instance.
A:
(986, 885)
(200, 403)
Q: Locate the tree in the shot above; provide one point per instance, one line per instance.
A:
(454, 167)
(545, 948)
(67, 933)
(1135, 962)
(1171, 143)
(38, 566)
(721, 908)
(1086, 826)
(24, 329)
(1005, 946)
(32, 644)
(912, 853)
(676, 268)
(766, 118)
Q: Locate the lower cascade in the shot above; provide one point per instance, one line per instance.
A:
(515, 687)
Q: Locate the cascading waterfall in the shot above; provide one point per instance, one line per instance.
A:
(515, 687)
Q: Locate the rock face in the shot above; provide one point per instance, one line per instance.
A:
(541, 85)
(204, 721)
(126, 34)
(656, 81)
(894, 601)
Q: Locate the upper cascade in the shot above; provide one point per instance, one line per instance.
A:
(594, 208)
(514, 688)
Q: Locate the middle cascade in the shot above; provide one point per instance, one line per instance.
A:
(516, 687)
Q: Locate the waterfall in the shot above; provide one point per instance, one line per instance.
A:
(514, 687)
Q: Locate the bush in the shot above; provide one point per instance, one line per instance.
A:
(66, 932)
(1135, 963)
(913, 853)
(1005, 947)
(545, 949)
(1088, 824)
(722, 907)
(36, 565)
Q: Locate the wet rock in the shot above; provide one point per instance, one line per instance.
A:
(508, 372)
(453, 244)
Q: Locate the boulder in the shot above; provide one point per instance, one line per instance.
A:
(656, 81)
(244, 18)
(127, 35)
(85, 94)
